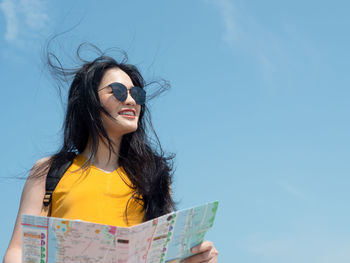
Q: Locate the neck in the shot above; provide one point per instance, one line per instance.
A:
(105, 159)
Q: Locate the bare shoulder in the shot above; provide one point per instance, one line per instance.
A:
(40, 169)
(44, 160)
(31, 202)
(34, 188)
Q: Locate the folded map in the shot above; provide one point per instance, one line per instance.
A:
(166, 239)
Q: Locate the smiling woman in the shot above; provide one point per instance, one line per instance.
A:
(114, 93)
(107, 170)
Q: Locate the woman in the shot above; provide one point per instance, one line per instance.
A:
(116, 177)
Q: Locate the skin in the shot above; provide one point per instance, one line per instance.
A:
(204, 253)
(116, 127)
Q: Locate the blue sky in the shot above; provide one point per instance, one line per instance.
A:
(258, 112)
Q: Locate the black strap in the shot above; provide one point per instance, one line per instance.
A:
(58, 167)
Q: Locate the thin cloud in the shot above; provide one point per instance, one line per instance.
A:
(35, 13)
(8, 8)
(24, 19)
(240, 28)
(228, 14)
(243, 32)
(275, 52)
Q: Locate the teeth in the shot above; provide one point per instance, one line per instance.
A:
(127, 113)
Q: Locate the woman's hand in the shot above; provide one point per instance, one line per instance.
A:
(205, 253)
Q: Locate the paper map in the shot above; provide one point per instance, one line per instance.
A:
(166, 239)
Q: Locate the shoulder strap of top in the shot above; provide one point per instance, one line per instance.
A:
(58, 167)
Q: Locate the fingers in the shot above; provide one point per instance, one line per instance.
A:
(205, 253)
(206, 245)
(210, 256)
(201, 257)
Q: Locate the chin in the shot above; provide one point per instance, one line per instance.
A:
(120, 127)
(125, 129)
(130, 130)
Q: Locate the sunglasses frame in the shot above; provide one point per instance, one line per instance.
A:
(120, 92)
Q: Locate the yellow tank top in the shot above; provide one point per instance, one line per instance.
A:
(96, 196)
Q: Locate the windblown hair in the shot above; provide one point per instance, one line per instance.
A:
(147, 166)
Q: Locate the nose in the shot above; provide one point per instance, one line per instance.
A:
(130, 100)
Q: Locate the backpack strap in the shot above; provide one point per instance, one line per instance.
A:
(58, 167)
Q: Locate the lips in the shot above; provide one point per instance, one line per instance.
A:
(129, 113)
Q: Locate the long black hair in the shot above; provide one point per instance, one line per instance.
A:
(147, 166)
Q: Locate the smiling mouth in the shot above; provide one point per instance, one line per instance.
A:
(131, 114)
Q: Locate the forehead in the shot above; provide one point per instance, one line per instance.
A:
(115, 75)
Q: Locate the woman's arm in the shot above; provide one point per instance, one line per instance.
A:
(31, 203)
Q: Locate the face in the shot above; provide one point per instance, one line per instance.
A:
(125, 115)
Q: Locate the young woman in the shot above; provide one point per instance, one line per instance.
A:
(116, 176)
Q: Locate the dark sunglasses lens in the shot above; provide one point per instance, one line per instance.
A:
(139, 95)
(119, 91)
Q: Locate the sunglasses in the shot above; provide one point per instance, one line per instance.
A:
(120, 92)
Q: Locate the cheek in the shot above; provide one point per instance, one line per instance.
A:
(111, 106)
